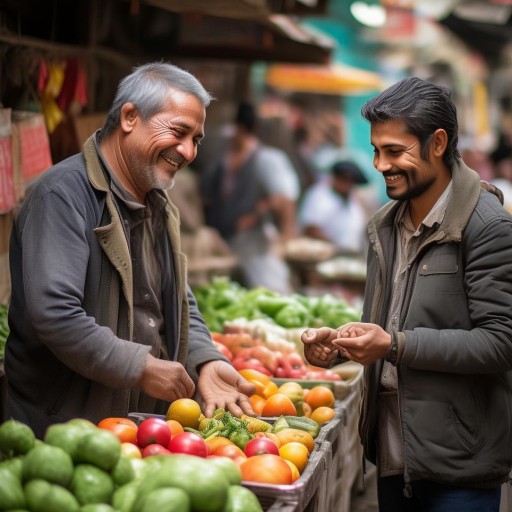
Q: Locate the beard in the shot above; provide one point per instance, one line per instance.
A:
(412, 191)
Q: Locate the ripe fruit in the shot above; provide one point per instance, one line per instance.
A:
(124, 428)
(319, 396)
(289, 435)
(153, 431)
(190, 444)
(322, 414)
(266, 469)
(295, 471)
(260, 445)
(175, 427)
(278, 405)
(295, 452)
(185, 411)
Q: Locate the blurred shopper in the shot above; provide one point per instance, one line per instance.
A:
(250, 196)
(207, 253)
(437, 333)
(332, 210)
(102, 321)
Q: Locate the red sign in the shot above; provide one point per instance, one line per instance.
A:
(7, 195)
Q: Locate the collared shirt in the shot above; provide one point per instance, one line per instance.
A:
(408, 242)
(146, 230)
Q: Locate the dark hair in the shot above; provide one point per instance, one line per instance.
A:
(147, 87)
(424, 106)
(246, 116)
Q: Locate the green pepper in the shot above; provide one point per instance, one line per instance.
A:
(292, 316)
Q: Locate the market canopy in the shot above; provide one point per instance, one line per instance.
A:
(330, 79)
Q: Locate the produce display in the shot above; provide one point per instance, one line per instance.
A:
(4, 329)
(81, 467)
(283, 360)
(223, 300)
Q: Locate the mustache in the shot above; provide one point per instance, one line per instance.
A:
(388, 174)
(174, 156)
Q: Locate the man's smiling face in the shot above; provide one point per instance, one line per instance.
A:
(397, 155)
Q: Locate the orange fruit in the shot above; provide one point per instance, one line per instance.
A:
(319, 396)
(322, 414)
(293, 467)
(270, 389)
(295, 452)
(293, 435)
(257, 403)
(278, 405)
(306, 410)
(216, 442)
(249, 374)
(176, 427)
(260, 387)
(185, 411)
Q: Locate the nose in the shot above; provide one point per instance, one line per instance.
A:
(188, 149)
(380, 163)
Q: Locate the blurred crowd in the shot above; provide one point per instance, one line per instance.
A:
(240, 212)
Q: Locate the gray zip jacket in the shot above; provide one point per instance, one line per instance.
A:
(69, 353)
(455, 373)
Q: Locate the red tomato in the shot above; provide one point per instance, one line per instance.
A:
(154, 449)
(153, 430)
(124, 428)
(189, 443)
(259, 446)
(266, 469)
(229, 450)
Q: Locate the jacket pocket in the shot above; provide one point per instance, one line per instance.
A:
(468, 426)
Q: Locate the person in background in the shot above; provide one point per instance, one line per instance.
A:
(436, 330)
(208, 254)
(102, 321)
(332, 210)
(250, 197)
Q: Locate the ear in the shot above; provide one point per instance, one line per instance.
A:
(439, 143)
(128, 117)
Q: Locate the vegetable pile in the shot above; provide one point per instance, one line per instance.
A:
(79, 467)
(223, 300)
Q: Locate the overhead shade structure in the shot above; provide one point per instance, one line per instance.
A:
(335, 79)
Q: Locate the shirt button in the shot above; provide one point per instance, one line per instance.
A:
(151, 322)
(146, 297)
(425, 267)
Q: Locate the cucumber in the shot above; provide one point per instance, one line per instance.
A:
(297, 422)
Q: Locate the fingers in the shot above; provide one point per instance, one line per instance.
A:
(245, 387)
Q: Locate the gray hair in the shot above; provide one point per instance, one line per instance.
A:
(147, 88)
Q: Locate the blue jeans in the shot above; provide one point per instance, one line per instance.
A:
(432, 497)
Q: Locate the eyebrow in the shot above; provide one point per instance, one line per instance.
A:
(186, 126)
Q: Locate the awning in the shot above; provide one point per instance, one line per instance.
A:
(234, 29)
(336, 79)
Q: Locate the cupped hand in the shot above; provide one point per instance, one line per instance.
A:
(318, 347)
(221, 386)
(362, 342)
(166, 380)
